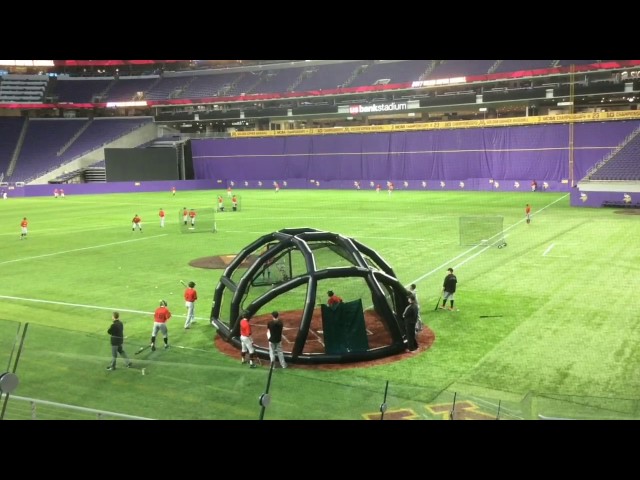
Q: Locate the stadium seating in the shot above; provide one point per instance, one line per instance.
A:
(168, 87)
(44, 138)
(79, 90)
(208, 85)
(460, 68)
(212, 83)
(327, 77)
(624, 164)
(519, 65)
(276, 81)
(568, 63)
(100, 132)
(390, 72)
(127, 90)
(23, 88)
(50, 143)
(10, 128)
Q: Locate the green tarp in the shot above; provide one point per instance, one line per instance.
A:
(344, 328)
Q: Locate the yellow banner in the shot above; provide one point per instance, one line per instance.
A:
(491, 122)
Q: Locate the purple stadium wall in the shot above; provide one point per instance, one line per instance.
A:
(506, 158)
(491, 158)
(598, 194)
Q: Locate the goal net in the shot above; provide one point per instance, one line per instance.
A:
(197, 220)
(482, 230)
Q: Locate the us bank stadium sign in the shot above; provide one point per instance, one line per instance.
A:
(378, 107)
(630, 75)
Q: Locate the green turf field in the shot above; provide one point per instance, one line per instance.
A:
(547, 326)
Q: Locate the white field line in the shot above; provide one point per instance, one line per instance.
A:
(80, 249)
(57, 231)
(94, 307)
(448, 263)
(546, 253)
(318, 337)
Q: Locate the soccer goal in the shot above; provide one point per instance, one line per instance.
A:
(203, 221)
(482, 230)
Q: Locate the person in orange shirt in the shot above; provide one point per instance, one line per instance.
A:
(234, 203)
(160, 317)
(190, 297)
(161, 215)
(192, 216)
(246, 341)
(23, 224)
(136, 222)
(185, 215)
(220, 204)
(527, 213)
(333, 298)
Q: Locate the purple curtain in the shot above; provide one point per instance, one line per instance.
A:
(539, 152)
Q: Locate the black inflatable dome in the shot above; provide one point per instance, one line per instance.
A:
(291, 271)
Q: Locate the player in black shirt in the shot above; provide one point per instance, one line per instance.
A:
(449, 289)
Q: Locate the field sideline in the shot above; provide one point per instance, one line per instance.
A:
(547, 325)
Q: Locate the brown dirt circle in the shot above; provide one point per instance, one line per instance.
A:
(218, 262)
(290, 319)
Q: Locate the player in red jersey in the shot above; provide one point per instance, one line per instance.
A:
(136, 223)
(161, 214)
(527, 213)
(23, 225)
(190, 297)
(333, 298)
(160, 317)
(246, 341)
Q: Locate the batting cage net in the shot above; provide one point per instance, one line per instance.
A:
(482, 230)
(353, 327)
(277, 271)
(197, 220)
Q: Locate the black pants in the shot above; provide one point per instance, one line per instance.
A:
(410, 331)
